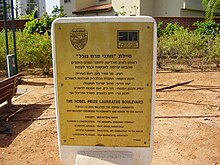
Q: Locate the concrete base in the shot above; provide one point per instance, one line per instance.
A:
(104, 158)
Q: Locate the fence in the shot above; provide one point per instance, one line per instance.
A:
(186, 22)
(183, 21)
(19, 24)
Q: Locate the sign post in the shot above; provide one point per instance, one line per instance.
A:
(104, 70)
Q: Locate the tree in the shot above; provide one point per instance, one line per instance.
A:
(58, 12)
(43, 25)
(211, 7)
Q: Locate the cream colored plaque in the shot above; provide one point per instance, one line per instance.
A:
(104, 83)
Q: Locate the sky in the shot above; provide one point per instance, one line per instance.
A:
(50, 4)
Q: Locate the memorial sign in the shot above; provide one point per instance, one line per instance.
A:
(104, 71)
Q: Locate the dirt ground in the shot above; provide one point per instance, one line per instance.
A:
(187, 122)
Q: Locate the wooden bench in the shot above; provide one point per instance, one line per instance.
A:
(8, 89)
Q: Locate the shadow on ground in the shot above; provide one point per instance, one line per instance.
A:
(15, 119)
(31, 83)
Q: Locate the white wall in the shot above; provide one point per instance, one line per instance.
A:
(76, 5)
(42, 7)
(131, 7)
(143, 7)
(103, 2)
(68, 7)
(190, 13)
(168, 7)
(194, 4)
(147, 7)
(192, 8)
(80, 4)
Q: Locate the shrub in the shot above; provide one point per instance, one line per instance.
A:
(3, 63)
(208, 28)
(180, 46)
(160, 29)
(213, 53)
(33, 51)
(170, 29)
(183, 46)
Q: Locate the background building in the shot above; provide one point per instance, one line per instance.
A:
(25, 7)
(87, 7)
(8, 14)
(133, 7)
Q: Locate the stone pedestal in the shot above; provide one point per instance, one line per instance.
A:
(104, 158)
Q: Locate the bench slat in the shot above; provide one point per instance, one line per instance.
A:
(8, 89)
(6, 92)
(6, 98)
(3, 83)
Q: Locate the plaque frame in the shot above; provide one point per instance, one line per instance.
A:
(141, 155)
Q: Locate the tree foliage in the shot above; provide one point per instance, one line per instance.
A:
(43, 25)
(211, 7)
(208, 28)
